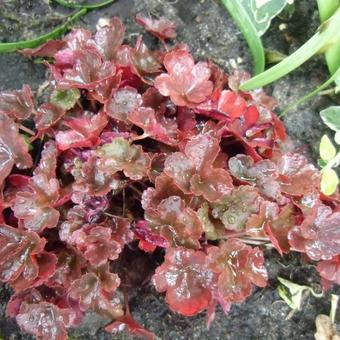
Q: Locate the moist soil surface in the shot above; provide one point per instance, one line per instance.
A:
(210, 32)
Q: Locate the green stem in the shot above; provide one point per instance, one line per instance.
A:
(69, 4)
(57, 32)
(249, 32)
(313, 93)
(334, 162)
(327, 34)
(326, 9)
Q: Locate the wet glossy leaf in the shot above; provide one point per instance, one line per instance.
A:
(185, 279)
(119, 155)
(13, 149)
(187, 84)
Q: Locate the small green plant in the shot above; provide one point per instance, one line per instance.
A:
(293, 294)
(330, 157)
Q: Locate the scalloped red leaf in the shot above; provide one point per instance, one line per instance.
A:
(83, 132)
(193, 170)
(109, 38)
(119, 155)
(13, 149)
(178, 224)
(297, 176)
(18, 255)
(319, 234)
(48, 49)
(154, 125)
(87, 72)
(47, 115)
(123, 101)
(95, 291)
(330, 269)
(17, 103)
(186, 83)
(238, 266)
(35, 207)
(96, 244)
(90, 179)
(162, 28)
(235, 209)
(45, 320)
(186, 280)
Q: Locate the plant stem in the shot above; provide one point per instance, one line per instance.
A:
(326, 9)
(57, 32)
(327, 34)
(313, 93)
(69, 4)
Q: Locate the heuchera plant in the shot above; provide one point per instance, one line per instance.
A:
(145, 166)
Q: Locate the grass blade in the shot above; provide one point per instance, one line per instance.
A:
(249, 32)
(327, 34)
(32, 43)
(69, 4)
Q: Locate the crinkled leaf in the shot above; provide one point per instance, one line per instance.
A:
(13, 149)
(330, 269)
(238, 266)
(18, 103)
(35, 207)
(83, 132)
(178, 224)
(123, 101)
(119, 155)
(161, 28)
(48, 115)
(186, 280)
(185, 83)
(109, 37)
(319, 234)
(236, 208)
(45, 320)
(18, 253)
(155, 126)
(96, 292)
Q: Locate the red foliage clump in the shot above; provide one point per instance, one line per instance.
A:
(148, 167)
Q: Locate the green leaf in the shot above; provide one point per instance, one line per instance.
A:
(327, 149)
(292, 293)
(327, 35)
(244, 22)
(337, 137)
(65, 99)
(273, 56)
(329, 181)
(261, 12)
(331, 117)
